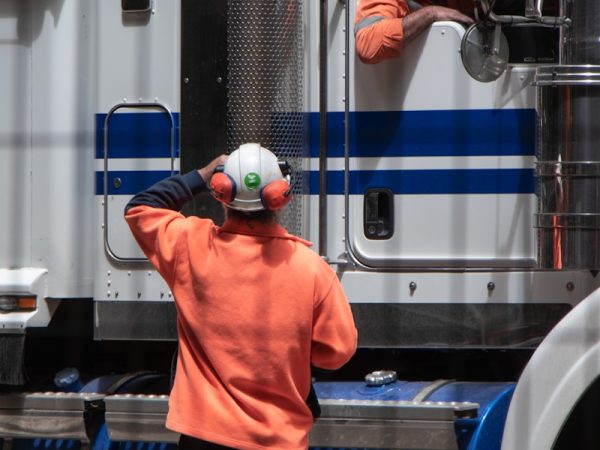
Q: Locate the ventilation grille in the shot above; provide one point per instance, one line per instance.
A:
(265, 85)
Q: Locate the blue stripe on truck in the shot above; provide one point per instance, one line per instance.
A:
(502, 132)
(478, 132)
(422, 182)
(481, 132)
(130, 182)
(137, 135)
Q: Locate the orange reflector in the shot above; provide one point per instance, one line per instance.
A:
(27, 303)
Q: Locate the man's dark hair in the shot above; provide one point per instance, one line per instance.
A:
(264, 216)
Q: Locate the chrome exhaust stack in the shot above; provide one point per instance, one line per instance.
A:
(568, 167)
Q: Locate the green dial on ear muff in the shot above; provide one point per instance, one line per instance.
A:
(252, 180)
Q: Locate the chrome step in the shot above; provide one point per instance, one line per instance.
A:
(141, 418)
(52, 415)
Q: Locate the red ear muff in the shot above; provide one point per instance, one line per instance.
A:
(222, 187)
(276, 195)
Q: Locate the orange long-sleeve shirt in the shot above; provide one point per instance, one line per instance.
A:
(379, 28)
(255, 308)
(382, 39)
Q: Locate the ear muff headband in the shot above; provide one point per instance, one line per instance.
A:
(222, 187)
(276, 195)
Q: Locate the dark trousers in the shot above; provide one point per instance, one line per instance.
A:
(191, 443)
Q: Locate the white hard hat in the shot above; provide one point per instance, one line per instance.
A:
(251, 168)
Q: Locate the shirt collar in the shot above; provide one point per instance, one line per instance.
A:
(257, 228)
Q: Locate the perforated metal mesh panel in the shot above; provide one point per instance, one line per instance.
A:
(265, 85)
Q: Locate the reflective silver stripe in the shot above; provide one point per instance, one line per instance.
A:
(370, 20)
(366, 22)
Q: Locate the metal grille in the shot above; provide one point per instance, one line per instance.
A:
(265, 85)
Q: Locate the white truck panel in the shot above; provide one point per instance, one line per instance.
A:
(556, 377)
(47, 153)
(63, 73)
(15, 129)
(138, 61)
(138, 55)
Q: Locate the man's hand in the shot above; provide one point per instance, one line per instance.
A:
(442, 13)
(418, 21)
(207, 171)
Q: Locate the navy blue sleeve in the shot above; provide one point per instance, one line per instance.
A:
(170, 193)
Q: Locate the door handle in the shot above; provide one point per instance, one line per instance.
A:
(378, 213)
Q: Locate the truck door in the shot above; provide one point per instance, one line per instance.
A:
(138, 146)
(441, 167)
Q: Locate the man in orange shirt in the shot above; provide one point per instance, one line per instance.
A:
(383, 27)
(255, 306)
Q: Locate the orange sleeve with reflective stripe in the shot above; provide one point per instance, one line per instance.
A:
(383, 39)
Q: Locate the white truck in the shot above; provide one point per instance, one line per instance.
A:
(454, 190)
